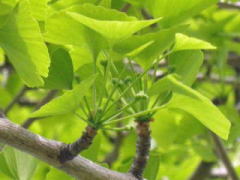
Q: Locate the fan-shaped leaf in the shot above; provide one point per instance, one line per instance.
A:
(21, 40)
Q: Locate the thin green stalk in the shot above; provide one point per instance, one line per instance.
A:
(87, 105)
(95, 88)
(80, 117)
(121, 95)
(156, 101)
(119, 112)
(134, 115)
(117, 129)
(83, 110)
(109, 98)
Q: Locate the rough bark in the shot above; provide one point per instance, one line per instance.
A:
(203, 171)
(142, 149)
(15, 100)
(228, 5)
(48, 151)
(69, 151)
(114, 154)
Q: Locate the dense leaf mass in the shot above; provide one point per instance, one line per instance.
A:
(152, 86)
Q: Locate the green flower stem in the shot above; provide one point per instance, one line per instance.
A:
(134, 115)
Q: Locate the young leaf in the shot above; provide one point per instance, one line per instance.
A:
(151, 170)
(83, 43)
(184, 42)
(186, 64)
(21, 40)
(57, 174)
(68, 102)
(61, 70)
(144, 49)
(93, 151)
(20, 165)
(39, 9)
(111, 24)
(63, 4)
(208, 114)
(194, 103)
(176, 11)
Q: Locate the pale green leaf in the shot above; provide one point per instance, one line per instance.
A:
(144, 49)
(106, 3)
(176, 11)
(21, 40)
(6, 6)
(21, 165)
(184, 42)
(93, 151)
(63, 4)
(191, 101)
(2, 58)
(152, 167)
(186, 64)
(39, 9)
(82, 43)
(110, 23)
(68, 102)
(203, 110)
(56, 174)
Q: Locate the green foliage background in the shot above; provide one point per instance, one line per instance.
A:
(63, 45)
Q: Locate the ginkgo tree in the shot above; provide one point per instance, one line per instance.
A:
(125, 89)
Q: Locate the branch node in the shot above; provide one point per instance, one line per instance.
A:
(70, 151)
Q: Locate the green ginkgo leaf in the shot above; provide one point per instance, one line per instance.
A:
(39, 9)
(186, 64)
(68, 102)
(144, 49)
(176, 11)
(17, 164)
(111, 24)
(193, 102)
(23, 43)
(83, 43)
(184, 42)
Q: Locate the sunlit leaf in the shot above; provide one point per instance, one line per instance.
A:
(111, 24)
(21, 166)
(21, 39)
(186, 64)
(66, 103)
(176, 11)
(191, 101)
(184, 42)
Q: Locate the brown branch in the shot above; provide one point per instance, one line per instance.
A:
(142, 149)
(114, 154)
(126, 7)
(203, 171)
(221, 152)
(45, 100)
(27, 103)
(15, 100)
(228, 6)
(70, 151)
(48, 151)
(145, 14)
